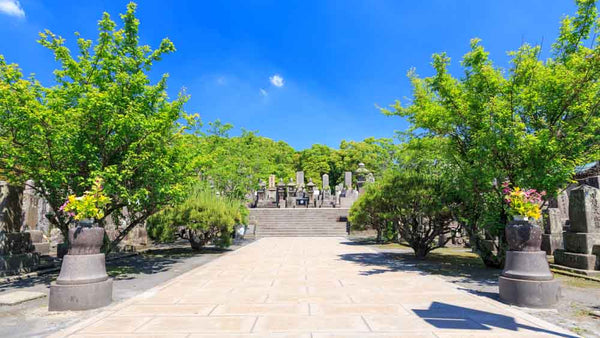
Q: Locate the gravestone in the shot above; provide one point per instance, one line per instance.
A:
(326, 183)
(582, 240)
(272, 189)
(552, 238)
(41, 245)
(348, 180)
(300, 178)
(11, 199)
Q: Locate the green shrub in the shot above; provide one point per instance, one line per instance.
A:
(202, 218)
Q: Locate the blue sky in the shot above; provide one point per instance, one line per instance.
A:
(300, 71)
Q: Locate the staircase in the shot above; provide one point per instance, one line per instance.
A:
(300, 222)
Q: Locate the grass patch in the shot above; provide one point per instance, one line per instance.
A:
(115, 271)
(577, 282)
(393, 246)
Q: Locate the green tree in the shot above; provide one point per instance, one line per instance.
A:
(317, 160)
(235, 164)
(370, 211)
(378, 155)
(531, 124)
(102, 118)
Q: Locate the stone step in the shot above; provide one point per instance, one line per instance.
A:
(299, 222)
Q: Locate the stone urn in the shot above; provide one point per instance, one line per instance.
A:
(526, 279)
(82, 283)
(522, 235)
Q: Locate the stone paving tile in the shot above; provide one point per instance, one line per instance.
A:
(309, 287)
(281, 323)
(194, 324)
(261, 309)
(166, 310)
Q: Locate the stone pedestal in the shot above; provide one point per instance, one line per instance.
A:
(41, 246)
(17, 253)
(82, 283)
(526, 279)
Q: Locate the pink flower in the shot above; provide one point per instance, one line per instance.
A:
(62, 207)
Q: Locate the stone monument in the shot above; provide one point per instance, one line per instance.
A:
(348, 180)
(554, 223)
(361, 177)
(41, 246)
(17, 253)
(281, 189)
(582, 240)
(300, 179)
(290, 201)
(310, 190)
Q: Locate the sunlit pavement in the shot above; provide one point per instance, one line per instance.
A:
(309, 287)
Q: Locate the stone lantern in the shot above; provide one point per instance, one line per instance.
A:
(310, 189)
(281, 193)
(361, 176)
(261, 190)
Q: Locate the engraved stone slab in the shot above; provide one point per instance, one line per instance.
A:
(584, 209)
(348, 179)
(299, 178)
(326, 182)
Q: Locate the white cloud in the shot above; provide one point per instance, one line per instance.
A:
(276, 80)
(221, 81)
(12, 8)
(264, 92)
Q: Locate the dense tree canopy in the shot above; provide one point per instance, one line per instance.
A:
(102, 118)
(531, 124)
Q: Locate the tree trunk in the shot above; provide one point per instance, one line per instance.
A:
(420, 252)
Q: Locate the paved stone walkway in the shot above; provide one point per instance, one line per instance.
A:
(309, 287)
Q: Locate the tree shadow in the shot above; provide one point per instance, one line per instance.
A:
(461, 269)
(448, 316)
(127, 268)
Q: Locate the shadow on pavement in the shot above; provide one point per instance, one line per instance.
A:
(460, 269)
(447, 316)
(128, 268)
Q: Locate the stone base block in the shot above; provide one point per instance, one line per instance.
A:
(576, 260)
(529, 293)
(19, 263)
(530, 265)
(551, 242)
(82, 269)
(581, 242)
(42, 248)
(80, 297)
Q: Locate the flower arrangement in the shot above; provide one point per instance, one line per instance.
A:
(523, 202)
(88, 206)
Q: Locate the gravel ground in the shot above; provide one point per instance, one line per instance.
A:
(132, 276)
